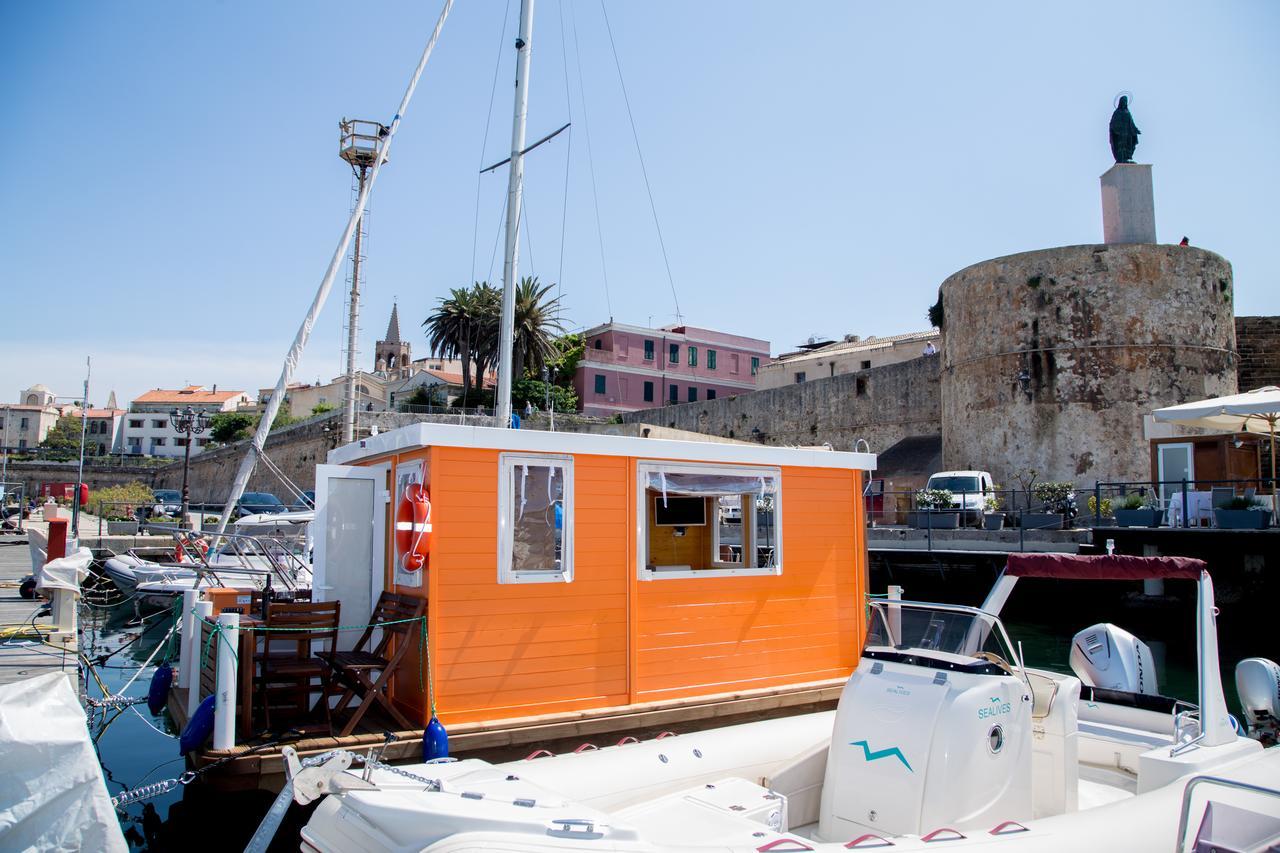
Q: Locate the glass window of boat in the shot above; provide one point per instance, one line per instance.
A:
(535, 518)
(947, 634)
(708, 520)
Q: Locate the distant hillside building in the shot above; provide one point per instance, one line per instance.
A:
(628, 368)
(822, 359)
(301, 398)
(25, 425)
(149, 429)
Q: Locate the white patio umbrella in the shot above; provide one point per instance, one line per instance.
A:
(1256, 411)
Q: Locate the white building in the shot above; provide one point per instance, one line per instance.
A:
(821, 359)
(149, 428)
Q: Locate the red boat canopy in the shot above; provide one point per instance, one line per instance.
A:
(1102, 567)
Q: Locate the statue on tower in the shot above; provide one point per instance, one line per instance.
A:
(1124, 133)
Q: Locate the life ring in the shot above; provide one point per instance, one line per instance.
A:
(413, 524)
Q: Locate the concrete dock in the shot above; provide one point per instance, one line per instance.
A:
(22, 653)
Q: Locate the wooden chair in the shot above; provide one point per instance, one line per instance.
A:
(354, 671)
(287, 664)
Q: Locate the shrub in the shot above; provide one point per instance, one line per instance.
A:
(118, 502)
(1107, 510)
(1056, 497)
(933, 498)
(1134, 500)
(1242, 503)
(993, 502)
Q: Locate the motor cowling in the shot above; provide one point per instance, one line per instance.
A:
(1108, 656)
(1258, 683)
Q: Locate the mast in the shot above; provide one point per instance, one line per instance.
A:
(326, 284)
(515, 191)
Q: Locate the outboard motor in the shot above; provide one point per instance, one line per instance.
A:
(1110, 657)
(1258, 683)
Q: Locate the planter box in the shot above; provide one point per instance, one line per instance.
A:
(1042, 521)
(933, 519)
(1242, 519)
(993, 521)
(1138, 517)
(122, 528)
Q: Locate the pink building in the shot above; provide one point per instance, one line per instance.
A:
(626, 368)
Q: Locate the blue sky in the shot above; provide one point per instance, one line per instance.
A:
(172, 191)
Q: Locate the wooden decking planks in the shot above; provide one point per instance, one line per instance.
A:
(21, 657)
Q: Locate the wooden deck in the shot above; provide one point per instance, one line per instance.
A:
(23, 656)
(505, 740)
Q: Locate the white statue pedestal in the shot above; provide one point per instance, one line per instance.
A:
(1128, 204)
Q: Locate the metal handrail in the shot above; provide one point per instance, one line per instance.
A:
(1185, 816)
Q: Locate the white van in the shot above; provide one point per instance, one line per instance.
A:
(969, 491)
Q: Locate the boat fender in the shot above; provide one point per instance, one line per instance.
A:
(435, 741)
(199, 727)
(161, 680)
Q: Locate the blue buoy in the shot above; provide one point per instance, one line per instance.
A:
(159, 692)
(435, 741)
(198, 729)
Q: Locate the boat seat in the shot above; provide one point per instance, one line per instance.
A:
(728, 812)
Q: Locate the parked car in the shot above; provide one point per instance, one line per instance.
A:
(306, 502)
(170, 499)
(253, 503)
(969, 491)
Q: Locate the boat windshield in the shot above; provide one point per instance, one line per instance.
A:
(934, 630)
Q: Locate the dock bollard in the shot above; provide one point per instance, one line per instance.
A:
(224, 708)
(204, 609)
(187, 662)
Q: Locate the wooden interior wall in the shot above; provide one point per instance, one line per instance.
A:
(512, 650)
(707, 635)
(667, 549)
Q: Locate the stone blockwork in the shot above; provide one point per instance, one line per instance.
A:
(1258, 346)
(1053, 357)
(32, 475)
(882, 405)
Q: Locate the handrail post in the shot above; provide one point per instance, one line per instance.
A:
(1097, 504)
(204, 609)
(224, 708)
(1186, 522)
(186, 661)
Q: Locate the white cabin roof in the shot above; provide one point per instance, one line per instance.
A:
(540, 441)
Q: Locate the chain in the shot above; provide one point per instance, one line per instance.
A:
(115, 701)
(316, 760)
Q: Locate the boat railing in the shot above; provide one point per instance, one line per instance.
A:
(1184, 817)
(238, 553)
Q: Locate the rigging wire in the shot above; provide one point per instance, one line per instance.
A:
(568, 157)
(595, 193)
(493, 89)
(643, 171)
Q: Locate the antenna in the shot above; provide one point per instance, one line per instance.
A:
(359, 144)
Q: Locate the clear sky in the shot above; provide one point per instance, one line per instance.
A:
(171, 190)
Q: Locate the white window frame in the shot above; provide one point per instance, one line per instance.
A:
(747, 518)
(646, 467)
(507, 505)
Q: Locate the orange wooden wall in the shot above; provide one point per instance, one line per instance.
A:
(607, 639)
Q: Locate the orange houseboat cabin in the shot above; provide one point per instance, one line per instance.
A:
(566, 572)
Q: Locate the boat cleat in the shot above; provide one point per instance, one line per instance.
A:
(310, 783)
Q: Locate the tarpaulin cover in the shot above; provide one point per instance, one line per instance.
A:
(65, 572)
(1102, 567)
(52, 794)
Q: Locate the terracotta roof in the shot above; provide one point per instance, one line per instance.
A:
(190, 394)
(105, 413)
(490, 379)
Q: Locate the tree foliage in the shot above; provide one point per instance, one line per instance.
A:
(62, 442)
(321, 408)
(117, 503)
(226, 427)
(535, 391)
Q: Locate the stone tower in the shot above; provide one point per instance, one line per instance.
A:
(392, 355)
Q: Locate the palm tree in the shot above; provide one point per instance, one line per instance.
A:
(461, 327)
(537, 325)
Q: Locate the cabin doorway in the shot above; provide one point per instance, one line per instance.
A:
(1176, 463)
(350, 559)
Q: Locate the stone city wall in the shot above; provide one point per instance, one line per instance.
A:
(97, 475)
(1258, 346)
(882, 405)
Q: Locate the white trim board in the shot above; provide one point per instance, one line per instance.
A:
(538, 441)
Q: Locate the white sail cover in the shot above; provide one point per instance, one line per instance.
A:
(65, 572)
(52, 794)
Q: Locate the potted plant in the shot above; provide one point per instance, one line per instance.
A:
(992, 516)
(1101, 517)
(1242, 514)
(932, 507)
(1136, 510)
(1059, 503)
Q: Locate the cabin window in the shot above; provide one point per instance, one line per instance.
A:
(535, 518)
(698, 520)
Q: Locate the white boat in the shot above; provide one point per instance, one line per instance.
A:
(941, 735)
(269, 550)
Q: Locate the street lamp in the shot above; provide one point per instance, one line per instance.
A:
(187, 421)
